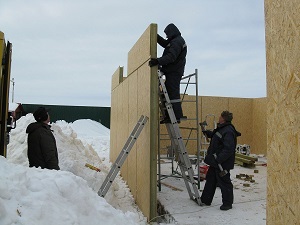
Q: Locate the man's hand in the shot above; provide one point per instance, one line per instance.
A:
(210, 160)
(153, 62)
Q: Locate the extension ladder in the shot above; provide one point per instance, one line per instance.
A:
(184, 162)
(122, 156)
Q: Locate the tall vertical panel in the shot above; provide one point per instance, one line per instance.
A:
(242, 118)
(133, 117)
(283, 114)
(124, 132)
(259, 128)
(138, 95)
(117, 79)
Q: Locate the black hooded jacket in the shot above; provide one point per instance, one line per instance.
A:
(223, 143)
(174, 55)
(42, 151)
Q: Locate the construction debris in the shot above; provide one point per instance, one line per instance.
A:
(244, 160)
(246, 177)
(92, 167)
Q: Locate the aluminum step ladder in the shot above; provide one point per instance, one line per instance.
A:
(184, 162)
(122, 156)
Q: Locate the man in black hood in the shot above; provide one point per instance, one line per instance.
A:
(42, 151)
(172, 64)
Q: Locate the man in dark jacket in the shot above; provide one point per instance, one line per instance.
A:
(172, 65)
(223, 143)
(42, 151)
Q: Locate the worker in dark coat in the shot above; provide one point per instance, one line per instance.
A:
(223, 143)
(42, 150)
(172, 64)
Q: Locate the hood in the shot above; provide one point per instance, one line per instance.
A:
(33, 126)
(172, 31)
(227, 124)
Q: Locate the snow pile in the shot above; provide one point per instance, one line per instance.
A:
(69, 196)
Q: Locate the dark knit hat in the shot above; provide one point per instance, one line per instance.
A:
(227, 116)
(41, 114)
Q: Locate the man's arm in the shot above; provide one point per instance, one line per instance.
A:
(161, 41)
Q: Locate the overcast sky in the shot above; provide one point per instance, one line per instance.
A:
(65, 51)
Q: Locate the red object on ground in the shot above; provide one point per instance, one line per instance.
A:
(202, 171)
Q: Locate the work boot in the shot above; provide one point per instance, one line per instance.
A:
(225, 207)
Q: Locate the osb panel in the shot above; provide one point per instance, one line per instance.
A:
(242, 118)
(143, 143)
(283, 120)
(214, 106)
(136, 96)
(259, 128)
(124, 132)
(113, 125)
(133, 118)
(141, 51)
(117, 78)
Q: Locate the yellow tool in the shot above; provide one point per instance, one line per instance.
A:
(92, 167)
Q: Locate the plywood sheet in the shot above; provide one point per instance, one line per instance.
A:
(242, 118)
(117, 78)
(259, 128)
(113, 125)
(213, 106)
(133, 118)
(283, 120)
(143, 49)
(124, 131)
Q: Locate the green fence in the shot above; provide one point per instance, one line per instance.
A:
(72, 113)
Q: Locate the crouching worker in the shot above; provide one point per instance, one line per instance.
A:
(42, 151)
(220, 151)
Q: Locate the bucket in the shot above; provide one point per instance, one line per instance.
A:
(203, 171)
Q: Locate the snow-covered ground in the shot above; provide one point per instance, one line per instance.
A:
(40, 196)
(69, 196)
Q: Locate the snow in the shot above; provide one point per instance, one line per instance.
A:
(69, 196)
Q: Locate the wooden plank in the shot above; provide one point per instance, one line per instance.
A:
(251, 158)
(248, 161)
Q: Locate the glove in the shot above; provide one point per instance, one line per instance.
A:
(210, 160)
(153, 62)
(204, 132)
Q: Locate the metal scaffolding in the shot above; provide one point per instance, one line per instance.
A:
(189, 82)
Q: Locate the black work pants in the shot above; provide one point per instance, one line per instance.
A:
(212, 180)
(173, 88)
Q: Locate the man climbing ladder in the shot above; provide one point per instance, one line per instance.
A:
(176, 138)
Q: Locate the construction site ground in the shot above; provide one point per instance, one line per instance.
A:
(249, 198)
